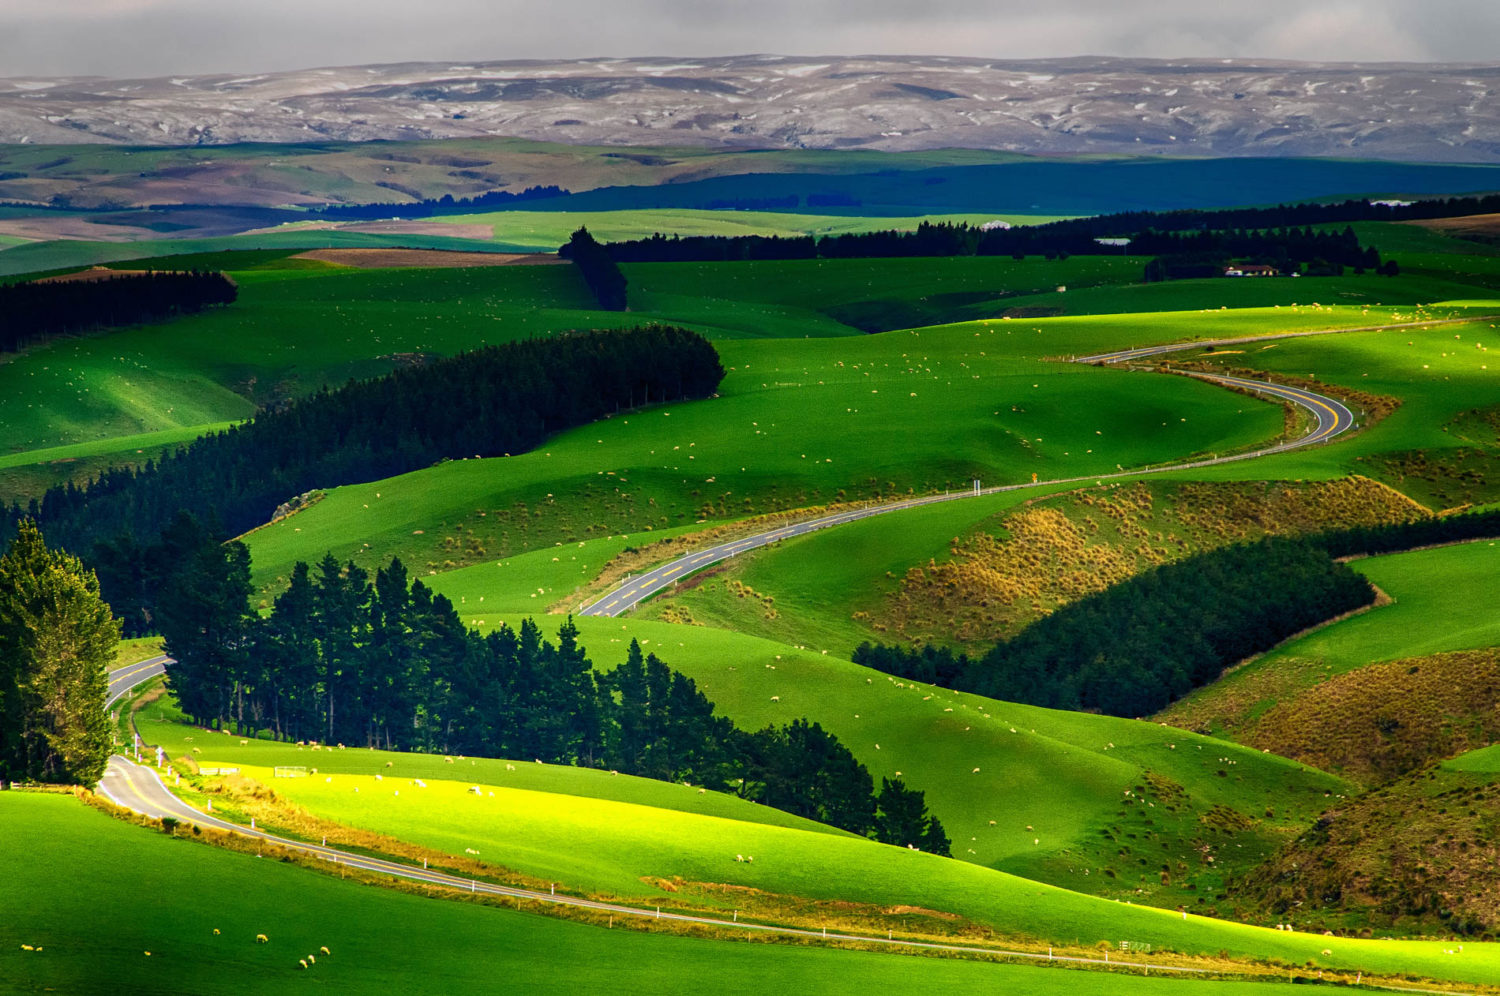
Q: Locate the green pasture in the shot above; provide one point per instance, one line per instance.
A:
(546, 230)
(134, 651)
(817, 582)
(802, 422)
(95, 896)
(1049, 798)
(203, 370)
(612, 845)
(161, 723)
(70, 254)
(1437, 373)
(1216, 293)
(1484, 761)
(1443, 599)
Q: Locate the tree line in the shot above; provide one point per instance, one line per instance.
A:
(1287, 247)
(599, 268)
(1284, 225)
(1205, 253)
(386, 662)
(34, 311)
(1141, 644)
(493, 401)
(497, 200)
(57, 637)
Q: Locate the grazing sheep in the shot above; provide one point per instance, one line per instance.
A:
(302, 963)
(510, 767)
(216, 931)
(701, 791)
(244, 742)
(390, 764)
(976, 771)
(260, 938)
(776, 698)
(325, 950)
(447, 760)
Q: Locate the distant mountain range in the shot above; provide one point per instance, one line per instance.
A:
(1411, 112)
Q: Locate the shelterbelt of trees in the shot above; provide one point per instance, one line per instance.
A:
(389, 664)
(1276, 234)
(33, 312)
(498, 400)
(1134, 648)
(1287, 248)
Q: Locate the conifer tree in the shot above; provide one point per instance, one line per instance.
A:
(57, 638)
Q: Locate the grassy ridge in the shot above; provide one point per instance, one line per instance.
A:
(1441, 602)
(956, 578)
(991, 405)
(614, 845)
(382, 941)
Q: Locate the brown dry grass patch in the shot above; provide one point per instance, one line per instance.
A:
(1386, 720)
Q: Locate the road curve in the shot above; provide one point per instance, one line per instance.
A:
(122, 680)
(140, 789)
(1333, 418)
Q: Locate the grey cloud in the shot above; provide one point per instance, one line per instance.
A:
(161, 37)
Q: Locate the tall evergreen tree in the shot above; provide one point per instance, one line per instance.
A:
(57, 639)
(205, 622)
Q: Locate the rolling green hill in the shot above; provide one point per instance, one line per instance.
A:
(383, 940)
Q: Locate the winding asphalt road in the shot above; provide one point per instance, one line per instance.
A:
(121, 681)
(140, 789)
(1333, 418)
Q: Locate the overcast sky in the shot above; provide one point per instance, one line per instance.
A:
(162, 37)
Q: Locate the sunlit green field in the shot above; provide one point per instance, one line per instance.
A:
(546, 230)
(596, 843)
(1443, 600)
(64, 863)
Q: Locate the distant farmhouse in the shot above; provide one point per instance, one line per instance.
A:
(1250, 270)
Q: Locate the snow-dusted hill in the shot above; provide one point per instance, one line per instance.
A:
(1228, 107)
